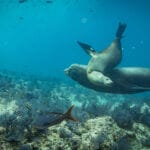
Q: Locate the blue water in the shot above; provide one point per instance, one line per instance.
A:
(40, 38)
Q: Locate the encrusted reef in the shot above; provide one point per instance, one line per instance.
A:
(94, 134)
(106, 121)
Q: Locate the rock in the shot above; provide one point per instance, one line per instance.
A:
(123, 119)
(2, 130)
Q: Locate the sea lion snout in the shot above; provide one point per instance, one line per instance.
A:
(70, 69)
(73, 71)
(108, 82)
(66, 71)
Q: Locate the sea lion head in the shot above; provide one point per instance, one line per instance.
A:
(99, 79)
(76, 72)
(95, 78)
(107, 81)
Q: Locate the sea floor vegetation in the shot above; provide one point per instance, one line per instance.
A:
(106, 121)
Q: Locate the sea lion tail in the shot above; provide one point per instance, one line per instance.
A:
(120, 30)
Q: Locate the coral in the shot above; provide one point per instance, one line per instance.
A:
(142, 133)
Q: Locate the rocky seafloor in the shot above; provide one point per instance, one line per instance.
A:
(106, 121)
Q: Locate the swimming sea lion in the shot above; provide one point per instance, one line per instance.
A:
(101, 75)
(131, 77)
(128, 80)
(108, 58)
(104, 61)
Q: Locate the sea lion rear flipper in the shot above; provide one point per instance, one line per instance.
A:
(140, 88)
(87, 48)
(133, 86)
(120, 30)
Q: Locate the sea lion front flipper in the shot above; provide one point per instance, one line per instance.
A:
(87, 48)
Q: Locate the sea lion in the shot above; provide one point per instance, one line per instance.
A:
(131, 77)
(103, 61)
(127, 80)
(98, 78)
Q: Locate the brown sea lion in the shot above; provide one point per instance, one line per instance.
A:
(127, 80)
